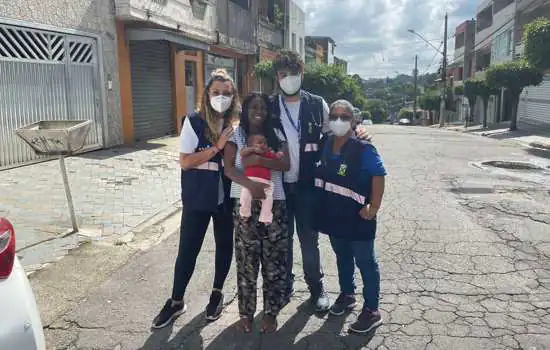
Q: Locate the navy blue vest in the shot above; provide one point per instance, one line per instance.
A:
(341, 192)
(200, 186)
(311, 121)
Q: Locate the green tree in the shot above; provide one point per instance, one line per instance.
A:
(430, 101)
(366, 115)
(459, 90)
(333, 84)
(479, 87)
(513, 76)
(264, 69)
(537, 43)
(378, 110)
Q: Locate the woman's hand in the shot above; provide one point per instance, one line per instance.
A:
(224, 137)
(362, 133)
(368, 212)
(257, 189)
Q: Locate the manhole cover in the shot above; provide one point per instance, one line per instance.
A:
(512, 165)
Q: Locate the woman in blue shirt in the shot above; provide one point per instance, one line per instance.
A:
(350, 185)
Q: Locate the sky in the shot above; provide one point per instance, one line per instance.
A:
(372, 35)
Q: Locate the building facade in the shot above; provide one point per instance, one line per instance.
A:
(499, 38)
(270, 40)
(462, 67)
(324, 49)
(60, 65)
(162, 48)
(237, 42)
(341, 63)
(133, 67)
(296, 33)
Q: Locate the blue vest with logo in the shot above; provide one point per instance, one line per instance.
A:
(200, 185)
(311, 125)
(341, 192)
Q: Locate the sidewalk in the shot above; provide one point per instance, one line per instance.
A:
(113, 191)
(531, 137)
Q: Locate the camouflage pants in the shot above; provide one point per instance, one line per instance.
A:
(266, 245)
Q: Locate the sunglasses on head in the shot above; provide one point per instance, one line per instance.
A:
(343, 117)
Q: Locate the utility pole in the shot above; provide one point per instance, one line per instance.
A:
(415, 86)
(443, 108)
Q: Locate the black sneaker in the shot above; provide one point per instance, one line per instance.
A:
(343, 303)
(168, 314)
(320, 300)
(366, 321)
(215, 306)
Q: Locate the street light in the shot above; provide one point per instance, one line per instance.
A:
(412, 31)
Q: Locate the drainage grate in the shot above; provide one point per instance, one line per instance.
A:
(513, 165)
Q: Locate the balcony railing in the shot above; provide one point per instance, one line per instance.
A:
(270, 35)
(237, 26)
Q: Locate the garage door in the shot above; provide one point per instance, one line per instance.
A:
(534, 105)
(151, 89)
(45, 76)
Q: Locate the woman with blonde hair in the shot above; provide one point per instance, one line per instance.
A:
(205, 194)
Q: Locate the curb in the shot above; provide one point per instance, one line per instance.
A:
(540, 145)
(88, 266)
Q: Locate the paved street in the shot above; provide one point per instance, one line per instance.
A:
(113, 190)
(464, 252)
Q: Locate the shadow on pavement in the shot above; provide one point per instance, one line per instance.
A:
(189, 337)
(540, 153)
(328, 336)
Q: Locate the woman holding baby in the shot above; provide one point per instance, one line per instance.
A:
(255, 158)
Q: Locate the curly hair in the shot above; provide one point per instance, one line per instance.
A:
(207, 112)
(267, 127)
(288, 59)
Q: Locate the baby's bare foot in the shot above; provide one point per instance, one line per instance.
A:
(245, 324)
(269, 324)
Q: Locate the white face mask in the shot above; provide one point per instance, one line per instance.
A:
(221, 103)
(339, 127)
(291, 84)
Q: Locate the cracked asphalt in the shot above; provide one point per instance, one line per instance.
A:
(464, 253)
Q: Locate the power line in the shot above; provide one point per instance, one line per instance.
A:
(433, 59)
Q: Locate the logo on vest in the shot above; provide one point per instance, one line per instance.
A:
(318, 164)
(342, 170)
(310, 128)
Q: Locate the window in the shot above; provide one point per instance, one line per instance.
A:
(293, 41)
(245, 4)
(501, 48)
(301, 48)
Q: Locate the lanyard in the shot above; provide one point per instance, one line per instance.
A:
(297, 127)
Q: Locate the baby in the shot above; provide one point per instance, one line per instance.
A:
(260, 174)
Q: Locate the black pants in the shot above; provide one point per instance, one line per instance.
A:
(192, 232)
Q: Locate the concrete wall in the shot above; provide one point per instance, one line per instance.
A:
(297, 25)
(196, 21)
(93, 16)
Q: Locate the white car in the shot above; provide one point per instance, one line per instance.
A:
(366, 122)
(20, 325)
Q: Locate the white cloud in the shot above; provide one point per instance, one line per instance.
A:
(372, 34)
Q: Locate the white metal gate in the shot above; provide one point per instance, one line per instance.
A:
(534, 105)
(46, 76)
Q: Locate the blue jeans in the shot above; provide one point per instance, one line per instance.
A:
(348, 253)
(299, 206)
